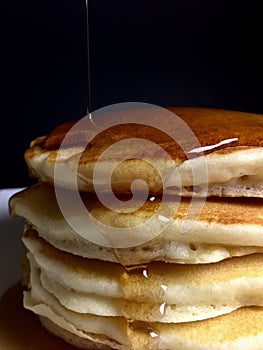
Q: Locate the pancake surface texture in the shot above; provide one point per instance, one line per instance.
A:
(233, 329)
(231, 143)
(156, 292)
(224, 228)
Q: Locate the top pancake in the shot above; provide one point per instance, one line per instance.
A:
(226, 153)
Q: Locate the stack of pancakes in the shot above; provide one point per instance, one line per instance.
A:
(151, 276)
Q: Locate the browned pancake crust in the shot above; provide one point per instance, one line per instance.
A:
(210, 126)
(224, 211)
(244, 322)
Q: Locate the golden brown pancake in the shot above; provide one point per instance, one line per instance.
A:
(160, 273)
(229, 142)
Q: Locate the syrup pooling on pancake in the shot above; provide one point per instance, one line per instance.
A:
(211, 128)
(165, 132)
(230, 141)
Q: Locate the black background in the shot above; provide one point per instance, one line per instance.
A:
(190, 53)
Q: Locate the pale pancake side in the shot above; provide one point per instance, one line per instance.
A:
(225, 228)
(157, 292)
(109, 330)
(91, 303)
(240, 329)
(73, 339)
(175, 341)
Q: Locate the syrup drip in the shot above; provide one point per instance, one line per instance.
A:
(142, 317)
(89, 105)
(145, 329)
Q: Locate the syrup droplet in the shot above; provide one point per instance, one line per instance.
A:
(163, 218)
(162, 309)
(154, 335)
(164, 287)
(145, 273)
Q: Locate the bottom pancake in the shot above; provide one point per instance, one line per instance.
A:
(70, 337)
(239, 329)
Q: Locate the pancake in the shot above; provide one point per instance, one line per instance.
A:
(160, 292)
(241, 328)
(129, 245)
(237, 330)
(224, 158)
(225, 228)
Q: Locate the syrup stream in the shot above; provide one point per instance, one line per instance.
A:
(134, 326)
(89, 104)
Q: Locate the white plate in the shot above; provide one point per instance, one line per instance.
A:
(11, 247)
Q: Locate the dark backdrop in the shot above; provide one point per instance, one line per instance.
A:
(201, 53)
